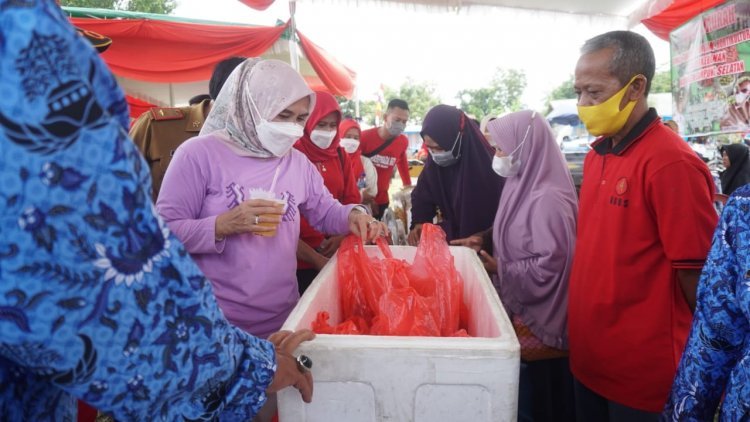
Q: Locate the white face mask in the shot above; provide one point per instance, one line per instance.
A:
(350, 145)
(277, 137)
(740, 97)
(322, 138)
(506, 166)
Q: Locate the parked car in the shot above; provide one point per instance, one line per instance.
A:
(575, 151)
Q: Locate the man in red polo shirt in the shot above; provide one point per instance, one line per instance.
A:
(386, 147)
(644, 230)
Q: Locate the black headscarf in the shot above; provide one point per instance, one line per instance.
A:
(738, 173)
(221, 72)
(468, 192)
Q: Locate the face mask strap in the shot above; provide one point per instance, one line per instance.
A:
(525, 135)
(257, 110)
(459, 138)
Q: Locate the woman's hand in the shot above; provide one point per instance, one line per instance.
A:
(248, 218)
(288, 374)
(473, 242)
(415, 234)
(490, 263)
(365, 226)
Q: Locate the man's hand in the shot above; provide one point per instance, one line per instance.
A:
(287, 373)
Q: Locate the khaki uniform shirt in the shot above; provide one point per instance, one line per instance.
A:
(159, 131)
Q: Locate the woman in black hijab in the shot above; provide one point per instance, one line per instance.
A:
(457, 179)
(737, 165)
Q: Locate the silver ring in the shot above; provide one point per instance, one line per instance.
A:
(304, 363)
(373, 221)
(257, 220)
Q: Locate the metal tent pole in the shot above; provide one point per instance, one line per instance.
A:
(293, 56)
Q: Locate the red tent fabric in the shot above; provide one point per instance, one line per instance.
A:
(338, 78)
(137, 107)
(676, 14)
(162, 51)
(258, 4)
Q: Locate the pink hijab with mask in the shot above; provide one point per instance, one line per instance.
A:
(535, 228)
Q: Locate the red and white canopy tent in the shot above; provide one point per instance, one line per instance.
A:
(162, 60)
(660, 16)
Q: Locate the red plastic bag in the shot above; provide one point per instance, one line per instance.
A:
(361, 280)
(403, 312)
(388, 296)
(321, 325)
(433, 273)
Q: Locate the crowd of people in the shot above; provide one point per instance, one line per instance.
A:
(150, 278)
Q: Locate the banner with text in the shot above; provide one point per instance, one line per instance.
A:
(711, 71)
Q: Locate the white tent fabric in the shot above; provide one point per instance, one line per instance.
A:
(631, 11)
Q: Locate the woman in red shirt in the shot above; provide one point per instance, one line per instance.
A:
(320, 143)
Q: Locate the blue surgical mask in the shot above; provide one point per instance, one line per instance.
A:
(446, 158)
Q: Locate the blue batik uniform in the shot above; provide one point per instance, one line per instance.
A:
(716, 360)
(98, 301)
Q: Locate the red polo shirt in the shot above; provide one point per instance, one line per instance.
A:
(384, 161)
(645, 211)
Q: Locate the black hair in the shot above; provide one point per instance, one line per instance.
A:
(397, 103)
(632, 55)
(199, 99)
(221, 72)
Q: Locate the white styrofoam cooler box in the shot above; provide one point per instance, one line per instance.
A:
(403, 379)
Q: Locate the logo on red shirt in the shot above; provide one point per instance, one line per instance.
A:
(621, 186)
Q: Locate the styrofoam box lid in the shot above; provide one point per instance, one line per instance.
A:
(488, 324)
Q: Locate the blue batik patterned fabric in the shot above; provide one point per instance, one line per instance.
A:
(717, 357)
(98, 301)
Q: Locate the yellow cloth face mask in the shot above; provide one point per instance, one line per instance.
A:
(606, 119)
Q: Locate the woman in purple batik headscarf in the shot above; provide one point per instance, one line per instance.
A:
(457, 179)
(534, 239)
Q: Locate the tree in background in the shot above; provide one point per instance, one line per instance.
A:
(502, 95)
(164, 7)
(564, 91)
(662, 82)
(420, 96)
(367, 109)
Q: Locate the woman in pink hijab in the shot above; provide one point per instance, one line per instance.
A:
(533, 242)
(235, 194)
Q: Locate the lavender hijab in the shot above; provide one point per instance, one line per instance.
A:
(535, 227)
(467, 192)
